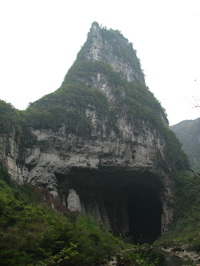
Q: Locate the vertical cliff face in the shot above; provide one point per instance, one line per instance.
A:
(112, 48)
(101, 142)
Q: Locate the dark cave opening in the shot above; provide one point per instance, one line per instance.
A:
(145, 212)
(130, 205)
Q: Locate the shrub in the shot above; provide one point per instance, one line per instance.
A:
(31, 233)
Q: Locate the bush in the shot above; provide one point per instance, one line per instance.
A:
(186, 225)
(31, 233)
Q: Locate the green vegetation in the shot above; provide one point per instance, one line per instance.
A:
(79, 94)
(69, 104)
(174, 153)
(121, 48)
(188, 133)
(132, 99)
(10, 119)
(186, 226)
(33, 234)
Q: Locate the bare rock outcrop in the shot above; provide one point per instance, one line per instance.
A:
(118, 169)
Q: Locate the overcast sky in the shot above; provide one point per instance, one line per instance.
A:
(39, 41)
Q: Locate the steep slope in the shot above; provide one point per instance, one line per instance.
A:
(188, 132)
(101, 143)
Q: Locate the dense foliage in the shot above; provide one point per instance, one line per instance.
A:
(10, 119)
(186, 226)
(33, 234)
(188, 133)
(132, 101)
(67, 106)
(79, 95)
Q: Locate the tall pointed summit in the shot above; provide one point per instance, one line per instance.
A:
(110, 46)
(101, 143)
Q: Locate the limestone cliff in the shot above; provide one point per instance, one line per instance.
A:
(101, 142)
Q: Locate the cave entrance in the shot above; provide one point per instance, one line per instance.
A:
(145, 212)
(130, 205)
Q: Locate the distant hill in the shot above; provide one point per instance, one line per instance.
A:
(188, 131)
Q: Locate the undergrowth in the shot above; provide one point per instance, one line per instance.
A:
(186, 226)
(31, 233)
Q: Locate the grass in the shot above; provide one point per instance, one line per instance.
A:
(31, 233)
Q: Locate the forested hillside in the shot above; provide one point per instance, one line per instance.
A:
(188, 132)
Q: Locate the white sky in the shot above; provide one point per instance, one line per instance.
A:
(39, 41)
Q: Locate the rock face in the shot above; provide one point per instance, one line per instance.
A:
(101, 49)
(108, 159)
